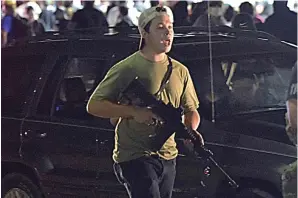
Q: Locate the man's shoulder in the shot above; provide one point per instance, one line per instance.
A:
(78, 14)
(126, 62)
(96, 11)
(84, 11)
(178, 65)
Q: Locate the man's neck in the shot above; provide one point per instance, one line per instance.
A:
(151, 55)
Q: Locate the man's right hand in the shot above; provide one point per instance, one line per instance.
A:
(145, 116)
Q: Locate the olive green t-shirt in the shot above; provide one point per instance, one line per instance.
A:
(131, 137)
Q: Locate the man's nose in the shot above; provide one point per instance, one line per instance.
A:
(167, 31)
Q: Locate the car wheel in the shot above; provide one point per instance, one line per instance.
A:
(16, 185)
(255, 193)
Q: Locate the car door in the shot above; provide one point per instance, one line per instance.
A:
(20, 72)
(69, 145)
(247, 135)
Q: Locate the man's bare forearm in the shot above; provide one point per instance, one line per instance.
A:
(192, 120)
(4, 36)
(292, 112)
(107, 109)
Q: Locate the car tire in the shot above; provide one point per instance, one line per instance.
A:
(16, 185)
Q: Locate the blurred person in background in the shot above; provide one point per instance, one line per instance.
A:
(139, 5)
(244, 21)
(154, 3)
(7, 34)
(282, 23)
(88, 17)
(47, 17)
(12, 27)
(63, 14)
(103, 6)
(112, 4)
(215, 10)
(248, 8)
(124, 19)
(114, 13)
(61, 19)
(229, 15)
(18, 3)
(35, 27)
(69, 8)
(113, 16)
(198, 9)
(135, 9)
(289, 177)
(21, 10)
(180, 12)
(263, 8)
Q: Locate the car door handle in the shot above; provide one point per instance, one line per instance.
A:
(32, 134)
(103, 142)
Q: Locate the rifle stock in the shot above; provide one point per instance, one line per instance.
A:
(136, 94)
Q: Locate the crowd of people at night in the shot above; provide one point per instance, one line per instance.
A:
(31, 18)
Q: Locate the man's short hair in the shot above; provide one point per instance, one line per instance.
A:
(146, 28)
(246, 7)
(215, 3)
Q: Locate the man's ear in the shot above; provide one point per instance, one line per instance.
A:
(144, 33)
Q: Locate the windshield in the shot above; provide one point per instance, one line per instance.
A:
(242, 83)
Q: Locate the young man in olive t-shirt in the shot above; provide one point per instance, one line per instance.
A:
(146, 173)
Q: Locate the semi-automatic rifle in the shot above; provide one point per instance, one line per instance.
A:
(136, 94)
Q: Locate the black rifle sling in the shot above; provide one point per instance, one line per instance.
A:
(166, 78)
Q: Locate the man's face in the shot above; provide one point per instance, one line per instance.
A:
(161, 34)
(30, 15)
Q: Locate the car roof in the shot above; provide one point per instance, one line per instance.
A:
(189, 43)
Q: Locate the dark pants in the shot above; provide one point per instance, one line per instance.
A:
(147, 177)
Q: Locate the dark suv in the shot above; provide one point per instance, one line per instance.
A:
(51, 147)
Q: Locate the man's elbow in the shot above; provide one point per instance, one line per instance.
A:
(197, 117)
(192, 119)
(94, 107)
(89, 107)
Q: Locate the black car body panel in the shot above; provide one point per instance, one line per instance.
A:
(69, 153)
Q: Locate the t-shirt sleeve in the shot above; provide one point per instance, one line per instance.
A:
(189, 99)
(7, 24)
(292, 91)
(115, 81)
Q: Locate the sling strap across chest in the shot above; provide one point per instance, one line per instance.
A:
(166, 78)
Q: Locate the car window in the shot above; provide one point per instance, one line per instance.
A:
(242, 83)
(74, 85)
(18, 75)
(45, 104)
(255, 83)
(80, 79)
